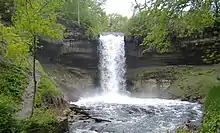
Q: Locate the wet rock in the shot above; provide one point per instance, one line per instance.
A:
(151, 87)
(77, 108)
(130, 85)
(81, 113)
(62, 126)
(185, 98)
(67, 112)
(150, 112)
(195, 99)
(201, 101)
(190, 126)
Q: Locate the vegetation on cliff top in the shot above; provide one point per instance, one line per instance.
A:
(159, 21)
(165, 26)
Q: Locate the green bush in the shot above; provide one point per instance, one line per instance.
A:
(42, 121)
(13, 80)
(8, 122)
(211, 121)
(46, 88)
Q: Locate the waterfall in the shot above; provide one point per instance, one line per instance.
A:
(123, 112)
(112, 62)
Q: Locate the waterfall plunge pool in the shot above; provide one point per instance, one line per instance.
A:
(127, 114)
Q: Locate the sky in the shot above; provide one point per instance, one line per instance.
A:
(123, 7)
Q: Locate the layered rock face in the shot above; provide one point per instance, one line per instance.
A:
(74, 63)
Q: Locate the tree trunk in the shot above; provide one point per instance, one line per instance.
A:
(145, 5)
(138, 6)
(78, 11)
(34, 73)
(217, 8)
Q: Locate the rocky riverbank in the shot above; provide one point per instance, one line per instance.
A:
(188, 83)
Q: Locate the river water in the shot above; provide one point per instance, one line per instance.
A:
(128, 114)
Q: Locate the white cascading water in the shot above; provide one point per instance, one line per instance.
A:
(128, 114)
(112, 63)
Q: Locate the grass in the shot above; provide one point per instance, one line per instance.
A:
(211, 120)
(42, 121)
(8, 107)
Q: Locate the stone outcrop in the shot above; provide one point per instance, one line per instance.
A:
(73, 82)
(79, 51)
(187, 83)
(81, 113)
(150, 88)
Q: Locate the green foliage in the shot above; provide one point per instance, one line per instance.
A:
(34, 18)
(182, 130)
(211, 121)
(13, 80)
(212, 54)
(3, 45)
(162, 20)
(8, 108)
(91, 14)
(117, 22)
(46, 87)
(42, 121)
(12, 46)
(31, 19)
(6, 9)
(37, 18)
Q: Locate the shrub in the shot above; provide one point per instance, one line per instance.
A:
(42, 121)
(211, 121)
(12, 80)
(8, 122)
(46, 88)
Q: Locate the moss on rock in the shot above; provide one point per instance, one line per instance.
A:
(190, 83)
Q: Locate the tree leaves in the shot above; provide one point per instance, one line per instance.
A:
(15, 47)
(117, 22)
(163, 19)
(91, 14)
(37, 18)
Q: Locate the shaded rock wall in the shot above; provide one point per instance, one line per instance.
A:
(190, 83)
(73, 82)
(84, 54)
(78, 51)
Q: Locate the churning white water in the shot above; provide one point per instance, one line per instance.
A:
(127, 114)
(112, 63)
